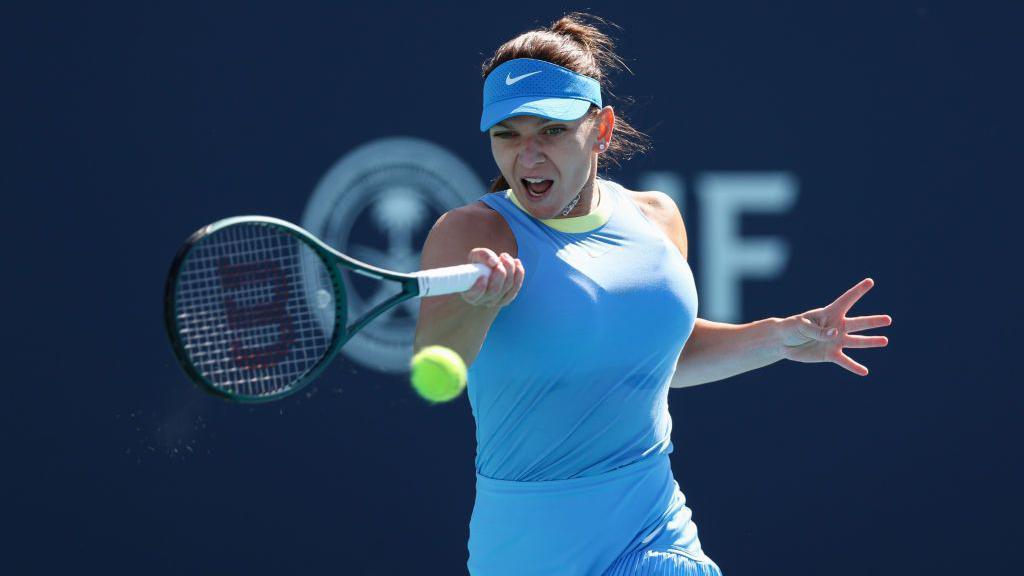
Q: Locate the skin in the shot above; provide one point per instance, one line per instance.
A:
(567, 153)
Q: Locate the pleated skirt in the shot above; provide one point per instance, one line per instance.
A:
(632, 520)
(662, 563)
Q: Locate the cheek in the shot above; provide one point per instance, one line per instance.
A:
(574, 162)
(500, 155)
(577, 157)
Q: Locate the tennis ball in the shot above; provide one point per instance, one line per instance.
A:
(438, 373)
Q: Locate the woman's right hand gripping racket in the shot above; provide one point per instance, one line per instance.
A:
(255, 307)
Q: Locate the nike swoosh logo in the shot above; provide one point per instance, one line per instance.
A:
(597, 251)
(509, 80)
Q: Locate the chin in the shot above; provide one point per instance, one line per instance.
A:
(541, 208)
(546, 212)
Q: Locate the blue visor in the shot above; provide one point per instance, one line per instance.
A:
(527, 87)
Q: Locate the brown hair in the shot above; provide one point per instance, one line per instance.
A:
(575, 42)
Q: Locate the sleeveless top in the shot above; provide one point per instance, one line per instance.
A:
(573, 376)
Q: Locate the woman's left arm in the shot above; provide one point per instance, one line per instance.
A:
(716, 351)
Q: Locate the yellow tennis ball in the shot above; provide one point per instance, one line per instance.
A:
(438, 373)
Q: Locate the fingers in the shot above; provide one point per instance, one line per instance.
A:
(496, 282)
(850, 364)
(481, 256)
(502, 280)
(850, 341)
(867, 322)
(517, 282)
(850, 297)
(503, 283)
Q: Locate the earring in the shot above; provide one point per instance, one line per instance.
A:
(601, 146)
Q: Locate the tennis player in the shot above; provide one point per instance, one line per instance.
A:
(586, 321)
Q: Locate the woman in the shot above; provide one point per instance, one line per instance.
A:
(570, 363)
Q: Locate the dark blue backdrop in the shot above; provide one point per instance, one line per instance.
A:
(129, 126)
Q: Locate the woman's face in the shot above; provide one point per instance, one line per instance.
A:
(548, 162)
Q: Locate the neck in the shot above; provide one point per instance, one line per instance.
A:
(590, 197)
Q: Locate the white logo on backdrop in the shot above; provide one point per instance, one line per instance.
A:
(377, 204)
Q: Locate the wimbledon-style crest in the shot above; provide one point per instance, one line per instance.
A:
(378, 203)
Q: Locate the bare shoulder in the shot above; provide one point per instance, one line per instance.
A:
(656, 205)
(661, 210)
(460, 230)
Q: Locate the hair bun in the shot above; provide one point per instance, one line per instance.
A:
(585, 30)
(575, 26)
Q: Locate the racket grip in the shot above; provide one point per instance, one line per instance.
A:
(449, 280)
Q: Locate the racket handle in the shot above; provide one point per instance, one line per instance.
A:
(449, 280)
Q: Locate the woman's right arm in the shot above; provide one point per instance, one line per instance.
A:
(461, 321)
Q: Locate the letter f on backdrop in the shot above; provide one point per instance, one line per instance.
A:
(726, 257)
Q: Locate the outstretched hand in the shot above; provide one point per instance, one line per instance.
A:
(820, 335)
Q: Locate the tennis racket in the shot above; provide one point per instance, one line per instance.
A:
(255, 307)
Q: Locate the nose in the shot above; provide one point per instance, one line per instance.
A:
(531, 154)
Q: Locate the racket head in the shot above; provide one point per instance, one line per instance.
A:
(255, 308)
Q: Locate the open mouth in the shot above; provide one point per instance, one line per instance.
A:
(536, 187)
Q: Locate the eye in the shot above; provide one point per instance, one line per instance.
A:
(554, 130)
(504, 135)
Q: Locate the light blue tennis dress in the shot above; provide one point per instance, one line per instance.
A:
(570, 397)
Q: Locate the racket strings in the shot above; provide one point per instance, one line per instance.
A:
(251, 309)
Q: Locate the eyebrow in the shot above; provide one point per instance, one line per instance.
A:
(542, 122)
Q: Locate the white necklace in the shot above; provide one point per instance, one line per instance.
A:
(571, 205)
(574, 202)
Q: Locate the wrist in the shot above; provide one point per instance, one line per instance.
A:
(776, 336)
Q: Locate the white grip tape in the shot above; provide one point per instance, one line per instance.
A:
(451, 279)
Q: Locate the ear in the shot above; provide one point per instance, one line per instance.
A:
(605, 126)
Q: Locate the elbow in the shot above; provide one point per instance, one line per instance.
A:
(418, 340)
(424, 338)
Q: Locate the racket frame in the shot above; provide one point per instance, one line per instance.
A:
(331, 258)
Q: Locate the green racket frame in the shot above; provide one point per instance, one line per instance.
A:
(330, 257)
